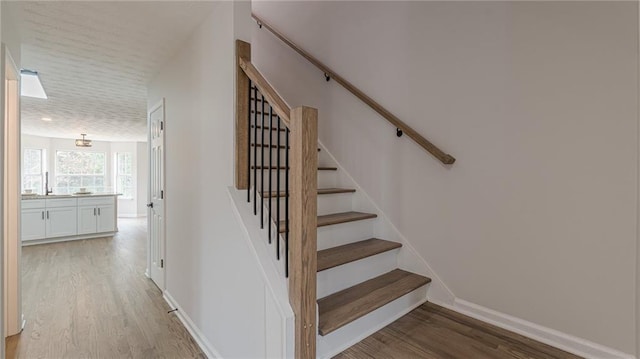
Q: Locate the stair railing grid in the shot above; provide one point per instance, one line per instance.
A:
(262, 114)
(258, 124)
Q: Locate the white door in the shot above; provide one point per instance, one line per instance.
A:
(62, 222)
(87, 219)
(156, 216)
(106, 218)
(33, 224)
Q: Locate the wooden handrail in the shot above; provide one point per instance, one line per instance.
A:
(243, 50)
(269, 93)
(426, 144)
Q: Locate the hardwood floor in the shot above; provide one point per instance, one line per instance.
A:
(91, 299)
(431, 332)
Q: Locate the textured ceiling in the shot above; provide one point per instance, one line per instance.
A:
(95, 60)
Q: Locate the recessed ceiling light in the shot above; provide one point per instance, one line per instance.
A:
(31, 85)
(46, 119)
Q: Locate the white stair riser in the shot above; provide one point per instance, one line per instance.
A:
(332, 236)
(283, 159)
(327, 204)
(347, 275)
(326, 179)
(345, 233)
(339, 340)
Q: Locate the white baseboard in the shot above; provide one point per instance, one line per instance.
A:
(555, 338)
(34, 242)
(197, 335)
(131, 215)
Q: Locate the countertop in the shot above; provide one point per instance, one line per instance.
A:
(54, 196)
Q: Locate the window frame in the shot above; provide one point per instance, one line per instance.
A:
(117, 175)
(43, 169)
(68, 188)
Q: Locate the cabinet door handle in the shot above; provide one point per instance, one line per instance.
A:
(43, 215)
(47, 214)
(98, 211)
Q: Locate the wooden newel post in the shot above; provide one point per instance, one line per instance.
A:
(243, 50)
(303, 245)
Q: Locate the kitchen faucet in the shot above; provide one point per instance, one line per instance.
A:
(46, 184)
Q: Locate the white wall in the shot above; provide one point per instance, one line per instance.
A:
(538, 103)
(130, 207)
(11, 35)
(211, 272)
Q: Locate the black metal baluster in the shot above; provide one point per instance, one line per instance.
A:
(286, 205)
(249, 145)
(262, 168)
(270, 166)
(278, 189)
(255, 149)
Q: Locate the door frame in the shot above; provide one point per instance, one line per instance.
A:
(159, 105)
(13, 320)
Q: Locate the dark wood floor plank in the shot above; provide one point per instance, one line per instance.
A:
(91, 299)
(434, 332)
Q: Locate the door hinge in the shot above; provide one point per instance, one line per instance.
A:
(162, 263)
(161, 125)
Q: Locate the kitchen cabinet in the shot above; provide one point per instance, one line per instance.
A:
(48, 218)
(33, 223)
(67, 218)
(96, 215)
(61, 222)
(60, 217)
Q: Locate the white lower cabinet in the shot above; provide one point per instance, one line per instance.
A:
(87, 219)
(61, 222)
(49, 218)
(33, 224)
(106, 218)
(67, 217)
(96, 215)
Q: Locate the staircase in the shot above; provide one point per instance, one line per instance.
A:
(357, 273)
(345, 280)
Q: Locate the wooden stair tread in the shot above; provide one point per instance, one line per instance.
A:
(336, 256)
(341, 308)
(335, 218)
(320, 168)
(321, 191)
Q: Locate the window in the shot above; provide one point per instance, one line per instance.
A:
(76, 169)
(33, 170)
(124, 174)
